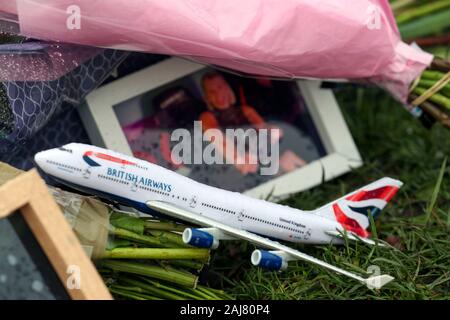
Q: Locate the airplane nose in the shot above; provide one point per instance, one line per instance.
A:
(39, 158)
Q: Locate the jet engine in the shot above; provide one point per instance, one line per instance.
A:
(200, 239)
(268, 260)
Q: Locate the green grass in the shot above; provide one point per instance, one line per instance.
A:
(417, 221)
(6, 116)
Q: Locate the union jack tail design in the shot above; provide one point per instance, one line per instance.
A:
(352, 210)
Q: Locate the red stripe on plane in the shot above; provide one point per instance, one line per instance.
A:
(348, 223)
(384, 193)
(108, 157)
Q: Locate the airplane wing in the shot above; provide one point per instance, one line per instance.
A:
(376, 281)
(355, 237)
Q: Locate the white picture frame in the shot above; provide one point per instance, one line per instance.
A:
(104, 129)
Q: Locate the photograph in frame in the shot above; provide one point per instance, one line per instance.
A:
(136, 115)
(220, 100)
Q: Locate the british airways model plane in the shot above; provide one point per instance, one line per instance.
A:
(222, 215)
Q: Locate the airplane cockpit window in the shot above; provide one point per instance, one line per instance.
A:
(65, 150)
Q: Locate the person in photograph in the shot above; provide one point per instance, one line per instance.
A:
(175, 108)
(264, 93)
(291, 108)
(225, 111)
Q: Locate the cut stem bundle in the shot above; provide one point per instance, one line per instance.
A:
(126, 266)
(437, 104)
(156, 253)
(168, 274)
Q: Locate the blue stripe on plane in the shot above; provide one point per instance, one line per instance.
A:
(365, 210)
(90, 162)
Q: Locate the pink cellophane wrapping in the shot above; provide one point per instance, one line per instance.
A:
(8, 6)
(290, 38)
(50, 62)
(53, 62)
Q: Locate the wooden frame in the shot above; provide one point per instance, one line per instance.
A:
(104, 129)
(28, 194)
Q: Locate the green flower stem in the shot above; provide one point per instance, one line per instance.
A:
(184, 293)
(432, 75)
(127, 222)
(166, 274)
(202, 295)
(437, 98)
(221, 294)
(152, 253)
(208, 292)
(151, 289)
(400, 4)
(127, 294)
(138, 296)
(435, 112)
(143, 239)
(425, 83)
(440, 51)
(169, 237)
(422, 10)
(191, 264)
(128, 288)
(165, 226)
(424, 26)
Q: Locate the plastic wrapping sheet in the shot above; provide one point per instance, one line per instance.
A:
(89, 218)
(63, 128)
(326, 39)
(8, 7)
(33, 103)
(35, 60)
(41, 61)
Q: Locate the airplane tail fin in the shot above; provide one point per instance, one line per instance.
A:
(352, 210)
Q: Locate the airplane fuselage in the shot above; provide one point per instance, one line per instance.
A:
(133, 182)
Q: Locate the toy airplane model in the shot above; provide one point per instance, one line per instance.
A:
(225, 215)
